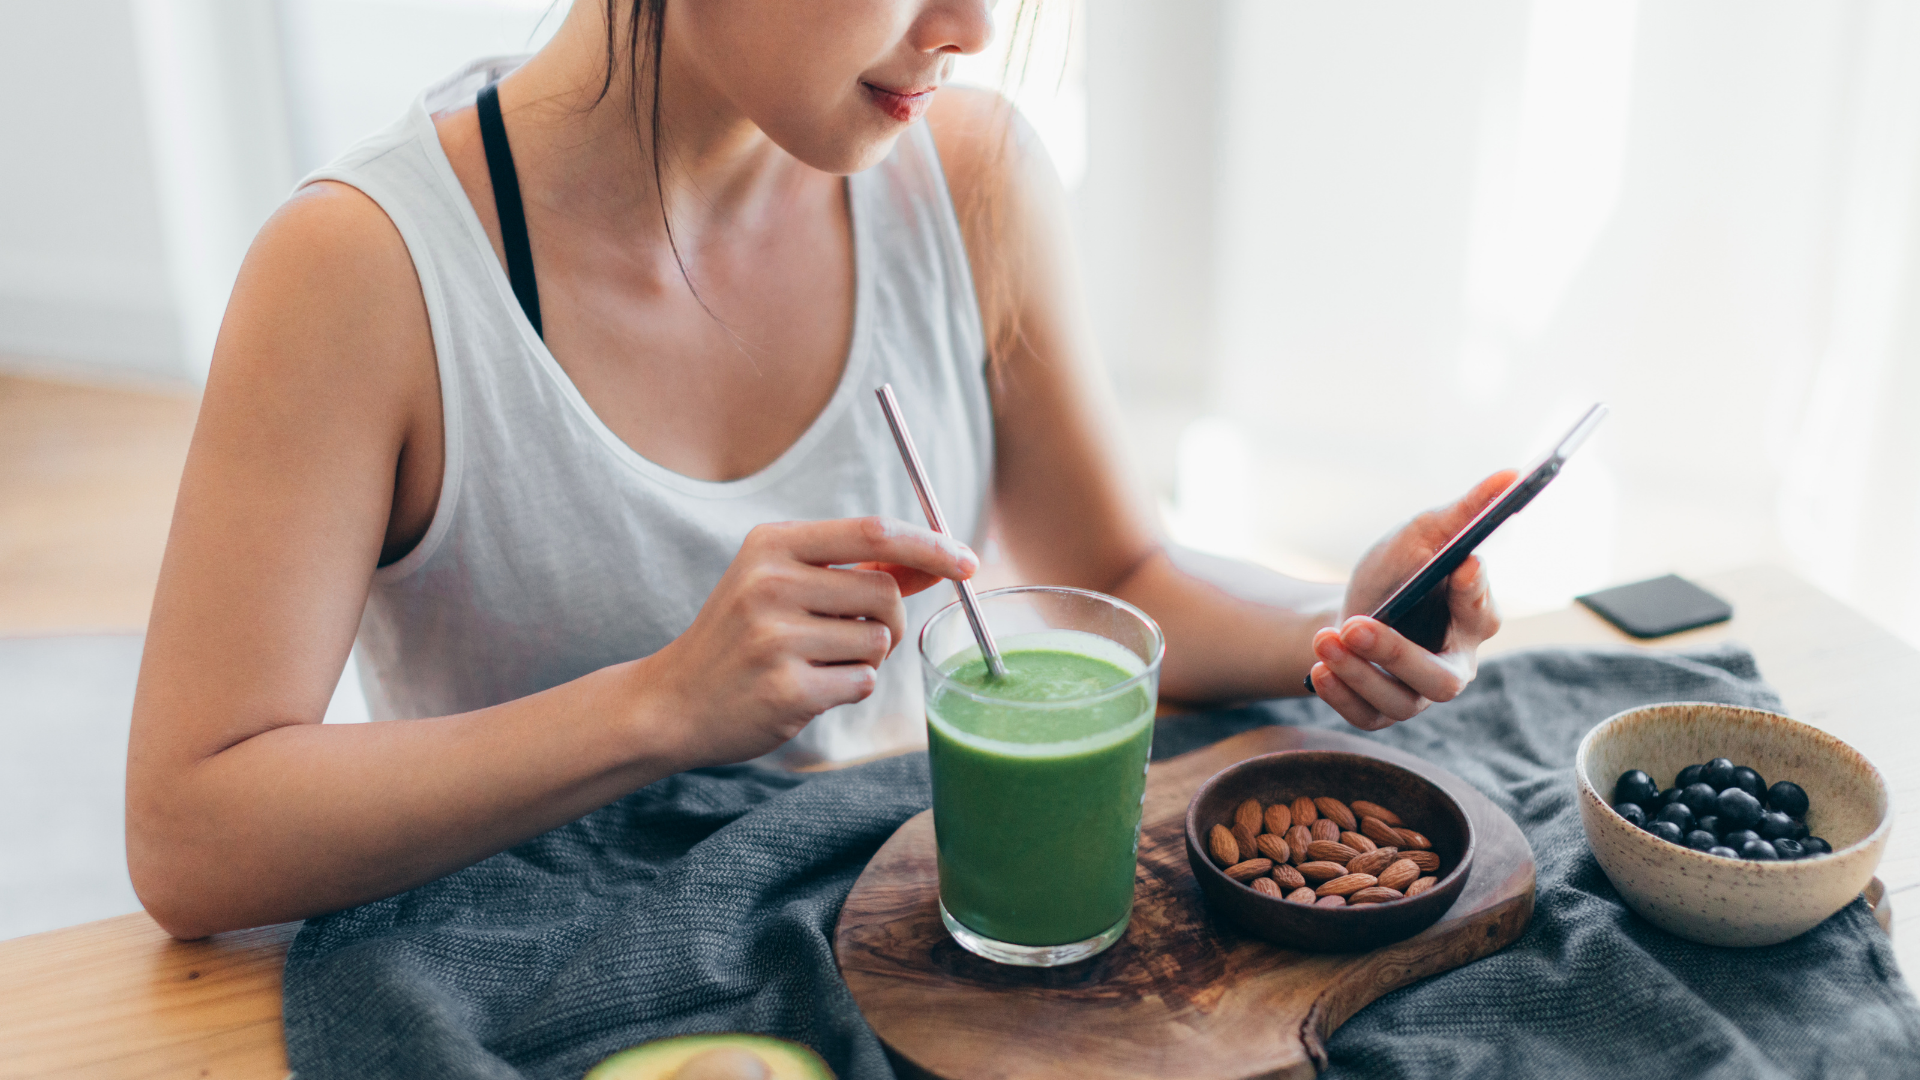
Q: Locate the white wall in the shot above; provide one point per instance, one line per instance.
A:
(84, 277)
(147, 140)
(1147, 207)
(355, 65)
(1439, 231)
(215, 97)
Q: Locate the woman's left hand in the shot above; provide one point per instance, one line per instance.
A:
(1366, 670)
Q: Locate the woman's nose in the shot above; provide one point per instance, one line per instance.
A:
(956, 26)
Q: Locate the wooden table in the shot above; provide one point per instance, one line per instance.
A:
(118, 998)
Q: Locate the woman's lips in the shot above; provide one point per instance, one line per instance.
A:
(905, 106)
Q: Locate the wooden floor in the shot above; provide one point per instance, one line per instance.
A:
(87, 479)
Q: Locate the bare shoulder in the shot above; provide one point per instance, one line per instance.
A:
(325, 365)
(972, 127)
(330, 249)
(328, 292)
(1008, 198)
(987, 149)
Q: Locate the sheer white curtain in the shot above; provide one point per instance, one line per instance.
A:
(216, 126)
(1850, 499)
(1440, 230)
(241, 97)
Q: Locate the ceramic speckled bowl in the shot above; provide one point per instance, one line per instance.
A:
(1719, 901)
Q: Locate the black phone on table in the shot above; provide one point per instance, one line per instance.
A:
(1418, 608)
(1658, 607)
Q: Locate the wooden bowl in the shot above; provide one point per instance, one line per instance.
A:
(1719, 901)
(1284, 776)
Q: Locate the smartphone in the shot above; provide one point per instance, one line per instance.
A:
(1418, 608)
(1656, 608)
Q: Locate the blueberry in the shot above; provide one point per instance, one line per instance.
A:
(1632, 812)
(1816, 846)
(1665, 830)
(1774, 825)
(1799, 830)
(1718, 774)
(1788, 849)
(1699, 798)
(1709, 822)
(1749, 781)
(1723, 852)
(1677, 813)
(1758, 849)
(1738, 809)
(1671, 795)
(1689, 776)
(1701, 840)
(1738, 838)
(1635, 786)
(1787, 797)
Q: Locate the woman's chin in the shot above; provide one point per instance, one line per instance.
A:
(851, 150)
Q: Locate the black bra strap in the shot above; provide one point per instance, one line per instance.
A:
(506, 204)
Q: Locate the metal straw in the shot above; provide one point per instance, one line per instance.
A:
(918, 474)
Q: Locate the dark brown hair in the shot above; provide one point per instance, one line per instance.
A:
(646, 24)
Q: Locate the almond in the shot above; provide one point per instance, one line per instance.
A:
(1413, 840)
(1331, 901)
(1330, 851)
(1273, 847)
(1347, 884)
(1304, 811)
(1425, 860)
(1222, 846)
(1322, 871)
(1250, 869)
(1422, 885)
(1279, 818)
(1372, 862)
(1375, 810)
(1265, 887)
(1324, 829)
(1245, 838)
(1337, 811)
(1248, 815)
(1357, 841)
(1302, 896)
(1379, 894)
(1298, 838)
(1379, 832)
(1289, 876)
(1398, 876)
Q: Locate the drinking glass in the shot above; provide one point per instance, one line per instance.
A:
(1038, 780)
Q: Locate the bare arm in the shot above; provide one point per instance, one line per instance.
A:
(320, 416)
(1071, 515)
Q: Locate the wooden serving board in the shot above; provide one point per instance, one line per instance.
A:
(1183, 994)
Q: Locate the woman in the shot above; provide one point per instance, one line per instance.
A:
(578, 440)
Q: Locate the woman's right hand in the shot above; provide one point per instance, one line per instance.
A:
(798, 624)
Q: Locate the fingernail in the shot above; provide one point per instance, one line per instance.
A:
(1329, 648)
(968, 560)
(1359, 636)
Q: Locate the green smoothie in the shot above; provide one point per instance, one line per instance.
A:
(1037, 785)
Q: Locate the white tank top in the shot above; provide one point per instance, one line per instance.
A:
(556, 550)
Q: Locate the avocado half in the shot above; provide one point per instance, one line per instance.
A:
(714, 1057)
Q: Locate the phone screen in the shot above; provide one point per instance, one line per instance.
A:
(1418, 608)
